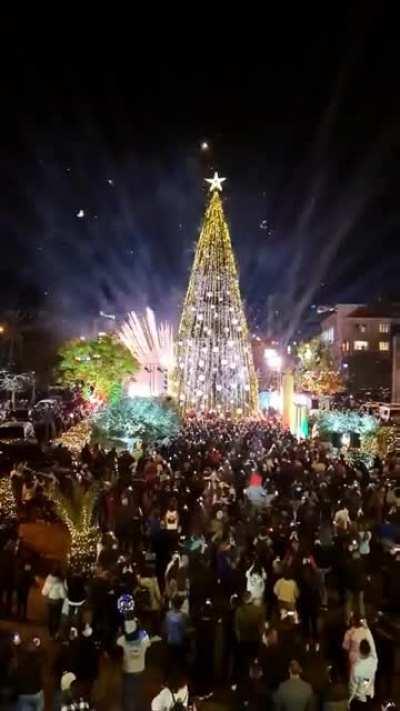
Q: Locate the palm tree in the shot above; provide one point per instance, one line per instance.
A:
(76, 511)
(14, 383)
(8, 510)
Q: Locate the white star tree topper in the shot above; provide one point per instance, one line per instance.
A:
(215, 182)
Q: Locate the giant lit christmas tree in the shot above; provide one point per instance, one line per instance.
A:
(215, 370)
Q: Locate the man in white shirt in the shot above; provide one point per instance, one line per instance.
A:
(362, 677)
(135, 643)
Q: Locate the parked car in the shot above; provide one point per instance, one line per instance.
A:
(14, 430)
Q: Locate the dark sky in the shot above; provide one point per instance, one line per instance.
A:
(301, 112)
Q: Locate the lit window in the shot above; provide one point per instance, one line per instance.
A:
(384, 328)
(362, 327)
(345, 346)
(328, 336)
(383, 345)
(361, 345)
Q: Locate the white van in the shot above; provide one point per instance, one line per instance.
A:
(390, 412)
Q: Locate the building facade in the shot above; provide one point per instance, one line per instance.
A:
(360, 338)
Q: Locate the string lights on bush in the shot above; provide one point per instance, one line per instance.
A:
(76, 437)
(76, 511)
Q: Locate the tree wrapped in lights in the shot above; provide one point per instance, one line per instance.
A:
(76, 437)
(316, 371)
(138, 418)
(8, 510)
(341, 422)
(76, 511)
(215, 370)
(381, 442)
(102, 364)
(16, 383)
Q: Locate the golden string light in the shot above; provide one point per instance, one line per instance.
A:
(8, 510)
(76, 511)
(76, 437)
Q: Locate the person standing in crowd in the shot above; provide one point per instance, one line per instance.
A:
(148, 582)
(24, 580)
(171, 522)
(335, 696)
(75, 599)
(7, 577)
(286, 591)
(354, 581)
(309, 603)
(29, 676)
(294, 694)
(134, 644)
(342, 520)
(88, 660)
(255, 583)
(176, 634)
(54, 590)
(353, 637)
(206, 630)
(174, 695)
(78, 701)
(249, 621)
(362, 678)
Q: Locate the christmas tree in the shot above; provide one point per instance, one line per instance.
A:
(215, 370)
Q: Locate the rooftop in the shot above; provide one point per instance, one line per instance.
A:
(376, 311)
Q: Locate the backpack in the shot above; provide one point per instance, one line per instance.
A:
(177, 705)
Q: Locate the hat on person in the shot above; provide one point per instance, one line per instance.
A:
(67, 680)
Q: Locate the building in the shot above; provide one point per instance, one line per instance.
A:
(360, 338)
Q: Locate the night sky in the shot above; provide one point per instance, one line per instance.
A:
(102, 189)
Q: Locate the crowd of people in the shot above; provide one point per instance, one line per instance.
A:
(251, 569)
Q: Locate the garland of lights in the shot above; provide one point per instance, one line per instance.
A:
(138, 418)
(215, 370)
(8, 510)
(76, 437)
(339, 421)
(379, 443)
(76, 512)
